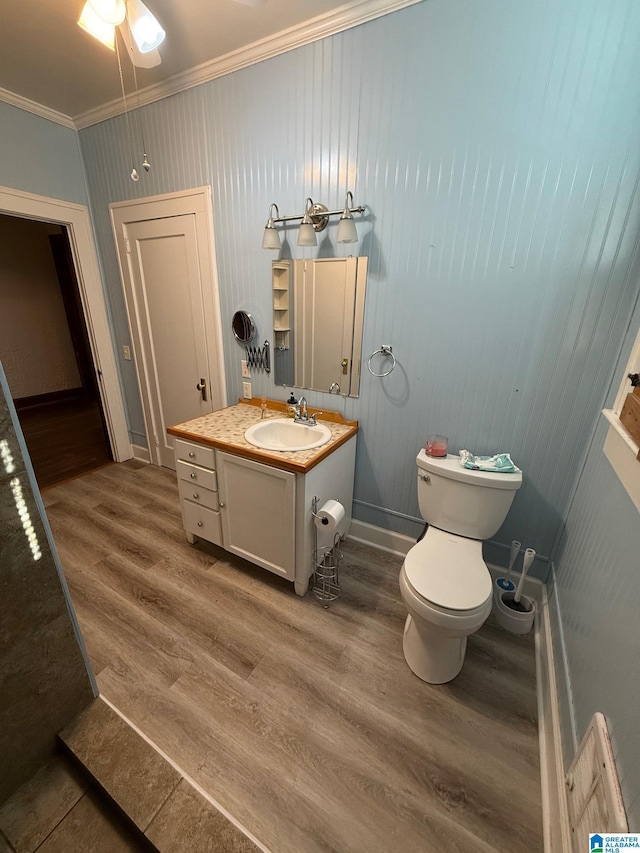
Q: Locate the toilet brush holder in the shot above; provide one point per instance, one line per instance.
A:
(516, 617)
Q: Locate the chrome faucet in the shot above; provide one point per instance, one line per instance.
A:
(302, 416)
(301, 411)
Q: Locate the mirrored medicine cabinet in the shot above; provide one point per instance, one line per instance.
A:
(318, 313)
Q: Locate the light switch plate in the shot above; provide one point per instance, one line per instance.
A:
(246, 390)
(246, 373)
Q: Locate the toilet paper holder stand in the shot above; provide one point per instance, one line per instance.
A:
(327, 562)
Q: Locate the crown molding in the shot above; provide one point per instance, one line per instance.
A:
(328, 24)
(35, 108)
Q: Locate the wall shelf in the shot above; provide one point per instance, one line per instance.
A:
(281, 275)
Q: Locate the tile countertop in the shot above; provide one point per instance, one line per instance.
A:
(225, 430)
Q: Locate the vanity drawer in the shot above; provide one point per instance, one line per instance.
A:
(198, 454)
(198, 494)
(202, 522)
(195, 474)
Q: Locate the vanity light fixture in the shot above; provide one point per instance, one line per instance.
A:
(315, 218)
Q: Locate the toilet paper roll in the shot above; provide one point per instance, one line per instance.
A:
(329, 515)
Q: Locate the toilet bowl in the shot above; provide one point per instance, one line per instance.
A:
(447, 589)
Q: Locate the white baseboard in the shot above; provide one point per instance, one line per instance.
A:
(556, 831)
(378, 537)
(140, 453)
(555, 818)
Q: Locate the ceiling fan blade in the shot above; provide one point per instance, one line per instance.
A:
(140, 60)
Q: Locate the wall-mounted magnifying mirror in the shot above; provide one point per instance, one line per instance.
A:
(318, 316)
(243, 327)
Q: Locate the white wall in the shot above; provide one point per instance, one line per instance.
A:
(35, 343)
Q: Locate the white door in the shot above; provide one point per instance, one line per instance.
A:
(169, 283)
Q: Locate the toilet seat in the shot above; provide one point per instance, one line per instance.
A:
(448, 572)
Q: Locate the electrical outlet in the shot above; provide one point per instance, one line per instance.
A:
(246, 390)
(246, 373)
(126, 352)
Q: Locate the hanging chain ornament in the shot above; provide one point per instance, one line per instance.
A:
(134, 172)
(146, 165)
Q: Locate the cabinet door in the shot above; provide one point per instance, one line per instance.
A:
(257, 506)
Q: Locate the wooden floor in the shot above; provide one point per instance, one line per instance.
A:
(65, 439)
(305, 724)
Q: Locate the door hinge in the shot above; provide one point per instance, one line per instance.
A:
(127, 245)
(155, 438)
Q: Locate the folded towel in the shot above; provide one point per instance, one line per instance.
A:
(499, 464)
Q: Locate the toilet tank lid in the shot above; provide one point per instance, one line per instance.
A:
(450, 467)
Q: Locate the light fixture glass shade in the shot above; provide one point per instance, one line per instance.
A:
(306, 232)
(307, 235)
(145, 28)
(347, 229)
(111, 11)
(271, 238)
(97, 26)
(140, 60)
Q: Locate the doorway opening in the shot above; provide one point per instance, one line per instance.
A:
(45, 349)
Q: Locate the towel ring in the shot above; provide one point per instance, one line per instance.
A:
(383, 351)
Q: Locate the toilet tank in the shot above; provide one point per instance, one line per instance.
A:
(461, 501)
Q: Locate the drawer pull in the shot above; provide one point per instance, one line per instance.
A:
(196, 496)
(199, 524)
(192, 455)
(193, 475)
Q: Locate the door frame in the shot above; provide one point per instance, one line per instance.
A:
(76, 219)
(196, 201)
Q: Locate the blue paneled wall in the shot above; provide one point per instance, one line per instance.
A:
(40, 157)
(495, 147)
(597, 590)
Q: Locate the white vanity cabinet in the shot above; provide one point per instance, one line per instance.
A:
(260, 511)
(198, 486)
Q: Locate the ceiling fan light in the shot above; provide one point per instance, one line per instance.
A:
(140, 60)
(145, 28)
(97, 26)
(111, 11)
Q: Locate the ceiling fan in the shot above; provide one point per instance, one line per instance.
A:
(140, 29)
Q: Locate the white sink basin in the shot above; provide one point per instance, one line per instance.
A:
(283, 434)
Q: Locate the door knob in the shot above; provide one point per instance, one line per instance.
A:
(221, 505)
(345, 365)
(202, 388)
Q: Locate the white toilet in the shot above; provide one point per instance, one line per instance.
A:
(444, 581)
